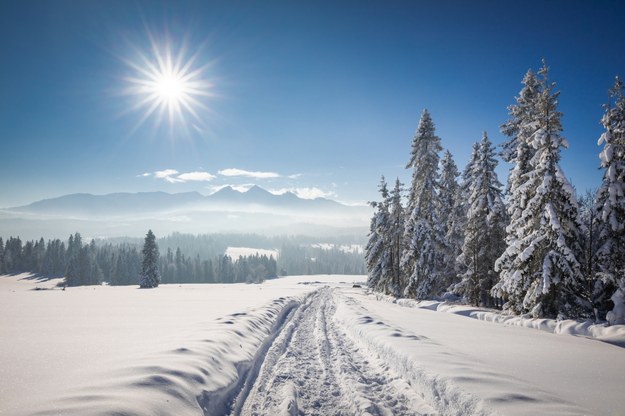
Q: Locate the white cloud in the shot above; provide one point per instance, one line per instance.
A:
(196, 176)
(248, 174)
(167, 175)
(162, 174)
(173, 176)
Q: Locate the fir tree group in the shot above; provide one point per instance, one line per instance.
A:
(534, 250)
(186, 258)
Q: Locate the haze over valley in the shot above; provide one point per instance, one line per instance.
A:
(227, 210)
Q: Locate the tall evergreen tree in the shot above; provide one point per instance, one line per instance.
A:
(610, 201)
(485, 226)
(395, 236)
(150, 276)
(518, 152)
(595, 290)
(1, 256)
(539, 269)
(74, 248)
(452, 215)
(423, 236)
(377, 250)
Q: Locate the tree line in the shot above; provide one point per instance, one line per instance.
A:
(195, 259)
(120, 264)
(541, 250)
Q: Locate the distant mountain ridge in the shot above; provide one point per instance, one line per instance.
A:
(226, 199)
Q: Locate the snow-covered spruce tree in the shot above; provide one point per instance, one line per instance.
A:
(517, 150)
(395, 238)
(452, 214)
(539, 269)
(72, 273)
(423, 235)
(150, 276)
(610, 202)
(1, 256)
(485, 227)
(594, 290)
(377, 250)
(519, 129)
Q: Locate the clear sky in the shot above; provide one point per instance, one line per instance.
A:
(319, 96)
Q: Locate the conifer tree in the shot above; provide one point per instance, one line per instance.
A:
(395, 239)
(453, 217)
(485, 226)
(423, 236)
(539, 269)
(150, 276)
(518, 152)
(610, 201)
(377, 250)
(74, 247)
(1, 256)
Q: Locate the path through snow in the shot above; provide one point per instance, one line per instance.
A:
(313, 368)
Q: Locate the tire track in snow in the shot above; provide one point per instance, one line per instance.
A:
(313, 368)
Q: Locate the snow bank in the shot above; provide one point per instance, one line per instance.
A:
(468, 366)
(177, 349)
(613, 334)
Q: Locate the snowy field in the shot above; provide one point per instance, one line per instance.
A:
(235, 252)
(297, 345)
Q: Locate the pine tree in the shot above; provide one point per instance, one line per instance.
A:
(1, 256)
(539, 269)
(423, 236)
(517, 151)
(453, 217)
(395, 286)
(74, 247)
(610, 201)
(485, 226)
(150, 276)
(377, 250)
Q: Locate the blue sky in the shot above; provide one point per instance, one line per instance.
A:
(318, 97)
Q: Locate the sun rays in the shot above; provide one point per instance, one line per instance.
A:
(167, 84)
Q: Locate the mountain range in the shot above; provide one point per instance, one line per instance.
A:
(227, 210)
(255, 199)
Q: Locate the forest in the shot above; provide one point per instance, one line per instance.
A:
(535, 247)
(184, 258)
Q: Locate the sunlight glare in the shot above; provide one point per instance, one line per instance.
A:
(167, 84)
(169, 87)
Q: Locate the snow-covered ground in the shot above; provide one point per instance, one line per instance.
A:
(298, 345)
(236, 252)
(347, 248)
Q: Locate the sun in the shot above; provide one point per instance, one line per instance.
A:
(170, 87)
(167, 84)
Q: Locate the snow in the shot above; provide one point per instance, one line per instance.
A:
(613, 334)
(236, 252)
(303, 344)
(346, 248)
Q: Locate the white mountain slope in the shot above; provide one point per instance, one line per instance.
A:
(298, 345)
